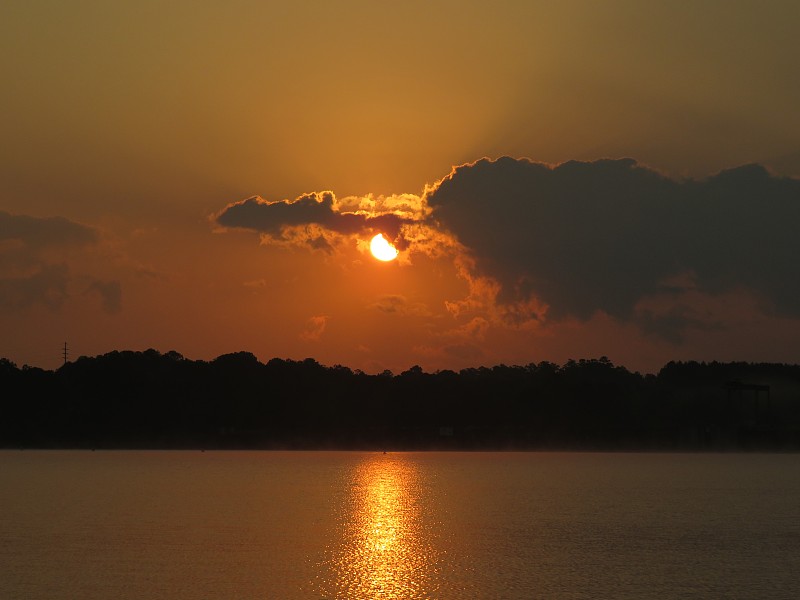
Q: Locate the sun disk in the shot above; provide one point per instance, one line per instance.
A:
(382, 249)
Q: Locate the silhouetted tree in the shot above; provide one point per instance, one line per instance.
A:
(149, 399)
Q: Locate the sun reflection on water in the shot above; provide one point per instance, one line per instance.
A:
(384, 551)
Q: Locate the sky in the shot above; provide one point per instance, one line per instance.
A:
(561, 180)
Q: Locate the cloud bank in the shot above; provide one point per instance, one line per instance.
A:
(538, 243)
(583, 237)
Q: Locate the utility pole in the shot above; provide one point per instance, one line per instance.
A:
(66, 353)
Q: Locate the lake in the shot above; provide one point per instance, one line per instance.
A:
(246, 525)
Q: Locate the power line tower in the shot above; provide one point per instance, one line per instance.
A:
(66, 353)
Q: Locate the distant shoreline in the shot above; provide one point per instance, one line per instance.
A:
(148, 400)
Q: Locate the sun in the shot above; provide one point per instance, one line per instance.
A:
(382, 249)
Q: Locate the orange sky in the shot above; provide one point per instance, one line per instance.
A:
(129, 128)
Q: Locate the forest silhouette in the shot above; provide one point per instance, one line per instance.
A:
(127, 399)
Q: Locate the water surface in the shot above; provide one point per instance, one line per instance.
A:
(246, 525)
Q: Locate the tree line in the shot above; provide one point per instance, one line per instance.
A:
(149, 399)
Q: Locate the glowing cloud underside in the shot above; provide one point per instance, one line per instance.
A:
(382, 249)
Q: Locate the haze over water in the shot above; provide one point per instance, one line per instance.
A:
(191, 525)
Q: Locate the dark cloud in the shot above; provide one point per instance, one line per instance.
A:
(391, 304)
(32, 270)
(23, 239)
(47, 286)
(599, 236)
(396, 304)
(671, 323)
(318, 208)
(35, 232)
(110, 293)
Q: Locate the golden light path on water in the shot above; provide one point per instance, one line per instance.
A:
(385, 552)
